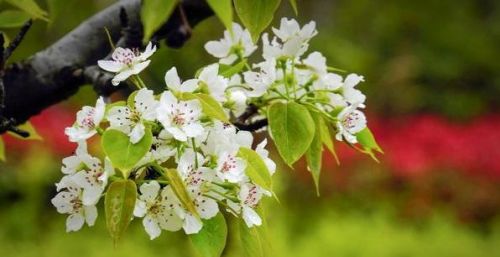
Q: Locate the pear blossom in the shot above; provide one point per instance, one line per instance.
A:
(233, 46)
(131, 120)
(174, 82)
(93, 180)
(156, 206)
(180, 118)
(69, 201)
(325, 80)
(213, 82)
(249, 196)
(87, 122)
(79, 161)
(351, 94)
(351, 121)
(264, 154)
(127, 62)
(260, 82)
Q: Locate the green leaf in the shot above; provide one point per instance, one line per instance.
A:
(31, 7)
(58, 7)
(154, 13)
(314, 154)
(13, 18)
(325, 136)
(256, 15)
(293, 3)
(292, 129)
(367, 141)
(119, 206)
(224, 11)
(177, 184)
(210, 106)
(251, 240)
(2, 150)
(211, 240)
(229, 70)
(122, 153)
(28, 127)
(256, 168)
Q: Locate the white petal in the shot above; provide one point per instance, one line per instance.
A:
(138, 67)
(251, 217)
(192, 225)
(74, 222)
(177, 133)
(171, 222)
(150, 49)
(90, 215)
(110, 66)
(122, 76)
(151, 227)
(172, 79)
(189, 85)
(217, 49)
(207, 207)
(193, 129)
(137, 133)
(91, 195)
(149, 190)
(140, 208)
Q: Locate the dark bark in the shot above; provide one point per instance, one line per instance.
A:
(57, 72)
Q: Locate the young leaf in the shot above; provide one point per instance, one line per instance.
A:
(122, 153)
(28, 127)
(210, 106)
(154, 13)
(256, 15)
(256, 168)
(293, 3)
(13, 18)
(367, 141)
(119, 206)
(2, 150)
(180, 191)
(30, 7)
(229, 70)
(292, 129)
(251, 240)
(211, 240)
(325, 135)
(224, 11)
(314, 157)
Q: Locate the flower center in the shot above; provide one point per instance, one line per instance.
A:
(352, 120)
(251, 199)
(88, 121)
(229, 164)
(125, 56)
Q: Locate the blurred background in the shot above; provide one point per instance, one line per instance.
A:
(433, 88)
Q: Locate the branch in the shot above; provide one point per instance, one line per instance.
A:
(57, 72)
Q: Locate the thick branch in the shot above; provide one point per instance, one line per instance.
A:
(54, 74)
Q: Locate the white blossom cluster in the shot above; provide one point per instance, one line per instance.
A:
(198, 145)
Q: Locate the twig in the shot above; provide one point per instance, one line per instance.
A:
(17, 40)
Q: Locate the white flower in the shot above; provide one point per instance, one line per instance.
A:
(317, 62)
(93, 180)
(163, 148)
(180, 118)
(131, 120)
(264, 154)
(237, 44)
(238, 102)
(127, 62)
(351, 94)
(80, 161)
(87, 120)
(250, 196)
(225, 138)
(174, 82)
(261, 81)
(158, 209)
(70, 202)
(213, 82)
(230, 168)
(294, 40)
(351, 121)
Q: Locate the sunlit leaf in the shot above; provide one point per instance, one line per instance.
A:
(256, 168)
(154, 13)
(211, 240)
(28, 127)
(210, 106)
(229, 70)
(292, 129)
(31, 7)
(314, 154)
(325, 135)
(256, 15)
(122, 153)
(13, 18)
(119, 204)
(293, 3)
(2, 150)
(367, 141)
(224, 11)
(180, 190)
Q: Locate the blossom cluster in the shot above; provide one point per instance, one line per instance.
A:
(189, 128)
